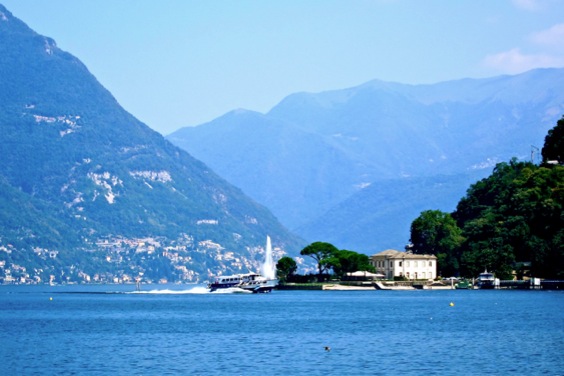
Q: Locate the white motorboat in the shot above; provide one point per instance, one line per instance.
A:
(486, 280)
(252, 282)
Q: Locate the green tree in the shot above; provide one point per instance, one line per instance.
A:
(285, 268)
(514, 216)
(344, 261)
(435, 232)
(486, 248)
(553, 149)
(320, 252)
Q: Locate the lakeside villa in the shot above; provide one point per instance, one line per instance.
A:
(392, 263)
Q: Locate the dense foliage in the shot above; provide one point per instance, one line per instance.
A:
(344, 261)
(320, 252)
(510, 222)
(515, 216)
(436, 233)
(328, 257)
(553, 149)
(286, 267)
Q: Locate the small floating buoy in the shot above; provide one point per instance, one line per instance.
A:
(50, 298)
(451, 304)
(327, 348)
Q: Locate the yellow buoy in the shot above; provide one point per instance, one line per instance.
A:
(50, 298)
(451, 304)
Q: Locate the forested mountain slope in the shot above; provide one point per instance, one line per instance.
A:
(85, 183)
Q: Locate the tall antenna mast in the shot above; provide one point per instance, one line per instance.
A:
(534, 150)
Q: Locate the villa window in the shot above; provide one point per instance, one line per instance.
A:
(400, 263)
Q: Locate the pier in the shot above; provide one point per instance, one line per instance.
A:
(532, 284)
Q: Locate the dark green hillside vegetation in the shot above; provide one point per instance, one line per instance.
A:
(514, 216)
(512, 220)
(435, 232)
(553, 149)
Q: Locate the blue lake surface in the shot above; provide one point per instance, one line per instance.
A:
(182, 330)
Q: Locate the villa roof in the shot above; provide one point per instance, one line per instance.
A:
(393, 254)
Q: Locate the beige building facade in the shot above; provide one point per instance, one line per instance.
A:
(392, 263)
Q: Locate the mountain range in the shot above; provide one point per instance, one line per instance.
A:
(355, 166)
(88, 192)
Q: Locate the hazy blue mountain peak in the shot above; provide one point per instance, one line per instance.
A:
(506, 88)
(314, 151)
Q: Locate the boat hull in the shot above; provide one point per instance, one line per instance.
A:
(463, 285)
(251, 282)
(487, 281)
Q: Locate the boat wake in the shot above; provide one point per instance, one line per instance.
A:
(197, 290)
(232, 290)
(193, 290)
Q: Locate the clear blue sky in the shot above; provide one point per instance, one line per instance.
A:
(176, 63)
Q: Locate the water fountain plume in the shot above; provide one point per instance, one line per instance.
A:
(268, 269)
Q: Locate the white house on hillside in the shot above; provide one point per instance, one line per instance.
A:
(394, 263)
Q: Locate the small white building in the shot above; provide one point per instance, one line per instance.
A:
(394, 263)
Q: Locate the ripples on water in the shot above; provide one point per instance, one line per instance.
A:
(191, 332)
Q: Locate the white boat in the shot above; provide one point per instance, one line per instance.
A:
(486, 280)
(251, 282)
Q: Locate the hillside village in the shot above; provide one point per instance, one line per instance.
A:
(129, 260)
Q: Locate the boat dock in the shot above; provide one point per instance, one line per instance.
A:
(532, 284)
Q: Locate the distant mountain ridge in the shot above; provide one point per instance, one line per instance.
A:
(87, 189)
(313, 151)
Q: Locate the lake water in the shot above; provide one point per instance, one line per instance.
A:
(181, 330)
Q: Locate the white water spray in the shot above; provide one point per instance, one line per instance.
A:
(268, 269)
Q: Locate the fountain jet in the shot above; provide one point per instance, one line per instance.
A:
(268, 269)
